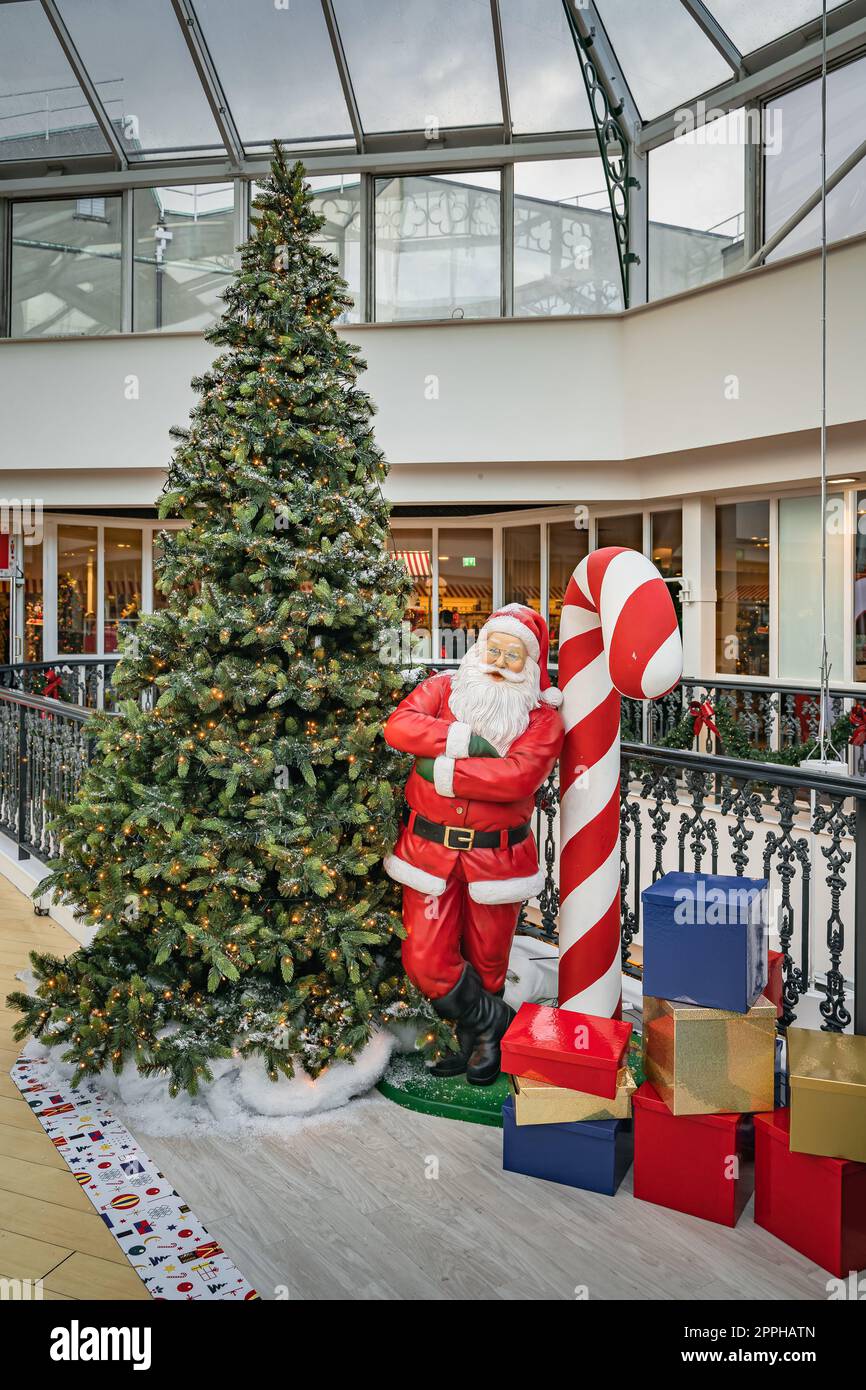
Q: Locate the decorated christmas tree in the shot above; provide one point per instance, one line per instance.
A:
(228, 836)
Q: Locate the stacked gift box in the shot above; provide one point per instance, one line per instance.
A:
(709, 1039)
(568, 1118)
(713, 1121)
(727, 1106)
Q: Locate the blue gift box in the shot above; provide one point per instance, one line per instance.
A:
(592, 1154)
(705, 940)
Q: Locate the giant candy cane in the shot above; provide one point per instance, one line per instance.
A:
(618, 636)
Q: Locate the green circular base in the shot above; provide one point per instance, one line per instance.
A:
(409, 1082)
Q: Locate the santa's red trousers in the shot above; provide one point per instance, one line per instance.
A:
(443, 933)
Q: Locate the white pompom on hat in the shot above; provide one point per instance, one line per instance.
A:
(519, 621)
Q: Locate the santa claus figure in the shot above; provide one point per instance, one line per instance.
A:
(484, 741)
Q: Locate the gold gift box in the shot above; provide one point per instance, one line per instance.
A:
(539, 1103)
(710, 1061)
(828, 1093)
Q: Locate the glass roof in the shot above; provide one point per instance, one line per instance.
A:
(417, 65)
(751, 24)
(664, 56)
(141, 68)
(335, 74)
(42, 107)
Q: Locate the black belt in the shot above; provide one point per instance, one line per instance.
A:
(462, 836)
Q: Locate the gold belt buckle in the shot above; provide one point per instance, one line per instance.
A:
(465, 837)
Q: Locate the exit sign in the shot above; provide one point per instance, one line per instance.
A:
(468, 562)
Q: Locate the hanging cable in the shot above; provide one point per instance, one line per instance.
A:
(825, 749)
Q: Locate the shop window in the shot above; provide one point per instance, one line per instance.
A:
(743, 589)
(184, 255)
(414, 550)
(76, 589)
(65, 269)
(620, 530)
(521, 566)
(800, 587)
(567, 545)
(667, 543)
(33, 603)
(465, 588)
(159, 599)
(122, 585)
(438, 247)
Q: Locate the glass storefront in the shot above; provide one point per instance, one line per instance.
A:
(121, 585)
(77, 590)
(567, 545)
(620, 530)
(521, 565)
(465, 559)
(414, 550)
(33, 602)
(800, 587)
(743, 588)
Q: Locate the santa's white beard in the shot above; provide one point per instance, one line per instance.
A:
(499, 710)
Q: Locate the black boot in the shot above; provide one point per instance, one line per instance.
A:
(493, 1016)
(458, 1004)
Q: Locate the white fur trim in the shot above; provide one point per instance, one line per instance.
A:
(496, 891)
(551, 696)
(515, 628)
(457, 742)
(413, 877)
(443, 776)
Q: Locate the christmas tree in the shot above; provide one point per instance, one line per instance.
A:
(228, 836)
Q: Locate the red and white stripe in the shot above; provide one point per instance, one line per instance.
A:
(618, 636)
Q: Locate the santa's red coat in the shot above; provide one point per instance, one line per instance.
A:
(480, 793)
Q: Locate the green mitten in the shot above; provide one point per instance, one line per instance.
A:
(480, 748)
(424, 768)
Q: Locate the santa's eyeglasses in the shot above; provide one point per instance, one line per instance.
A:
(513, 655)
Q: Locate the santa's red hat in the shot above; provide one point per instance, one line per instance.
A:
(519, 621)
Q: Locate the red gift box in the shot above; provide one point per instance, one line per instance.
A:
(698, 1164)
(578, 1051)
(775, 980)
(815, 1205)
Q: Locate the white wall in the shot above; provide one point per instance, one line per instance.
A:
(88, 419)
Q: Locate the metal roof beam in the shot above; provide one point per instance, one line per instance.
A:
(582, 144)
(82, 76)
(343, 70)
(207, 75)
(588, 21)
(718, 37)
(760, 83)
(499, 44)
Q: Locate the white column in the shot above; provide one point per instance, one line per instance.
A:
(699, 574)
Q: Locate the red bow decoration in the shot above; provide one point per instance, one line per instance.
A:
(857, 720)
(52, 685)
(702, 715)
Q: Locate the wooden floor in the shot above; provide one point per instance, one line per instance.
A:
(347, 1210)
(374, 1202)
(48, 1228)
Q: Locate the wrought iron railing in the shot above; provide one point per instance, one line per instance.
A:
(802, 830)
(44, 750)
(76, 680)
